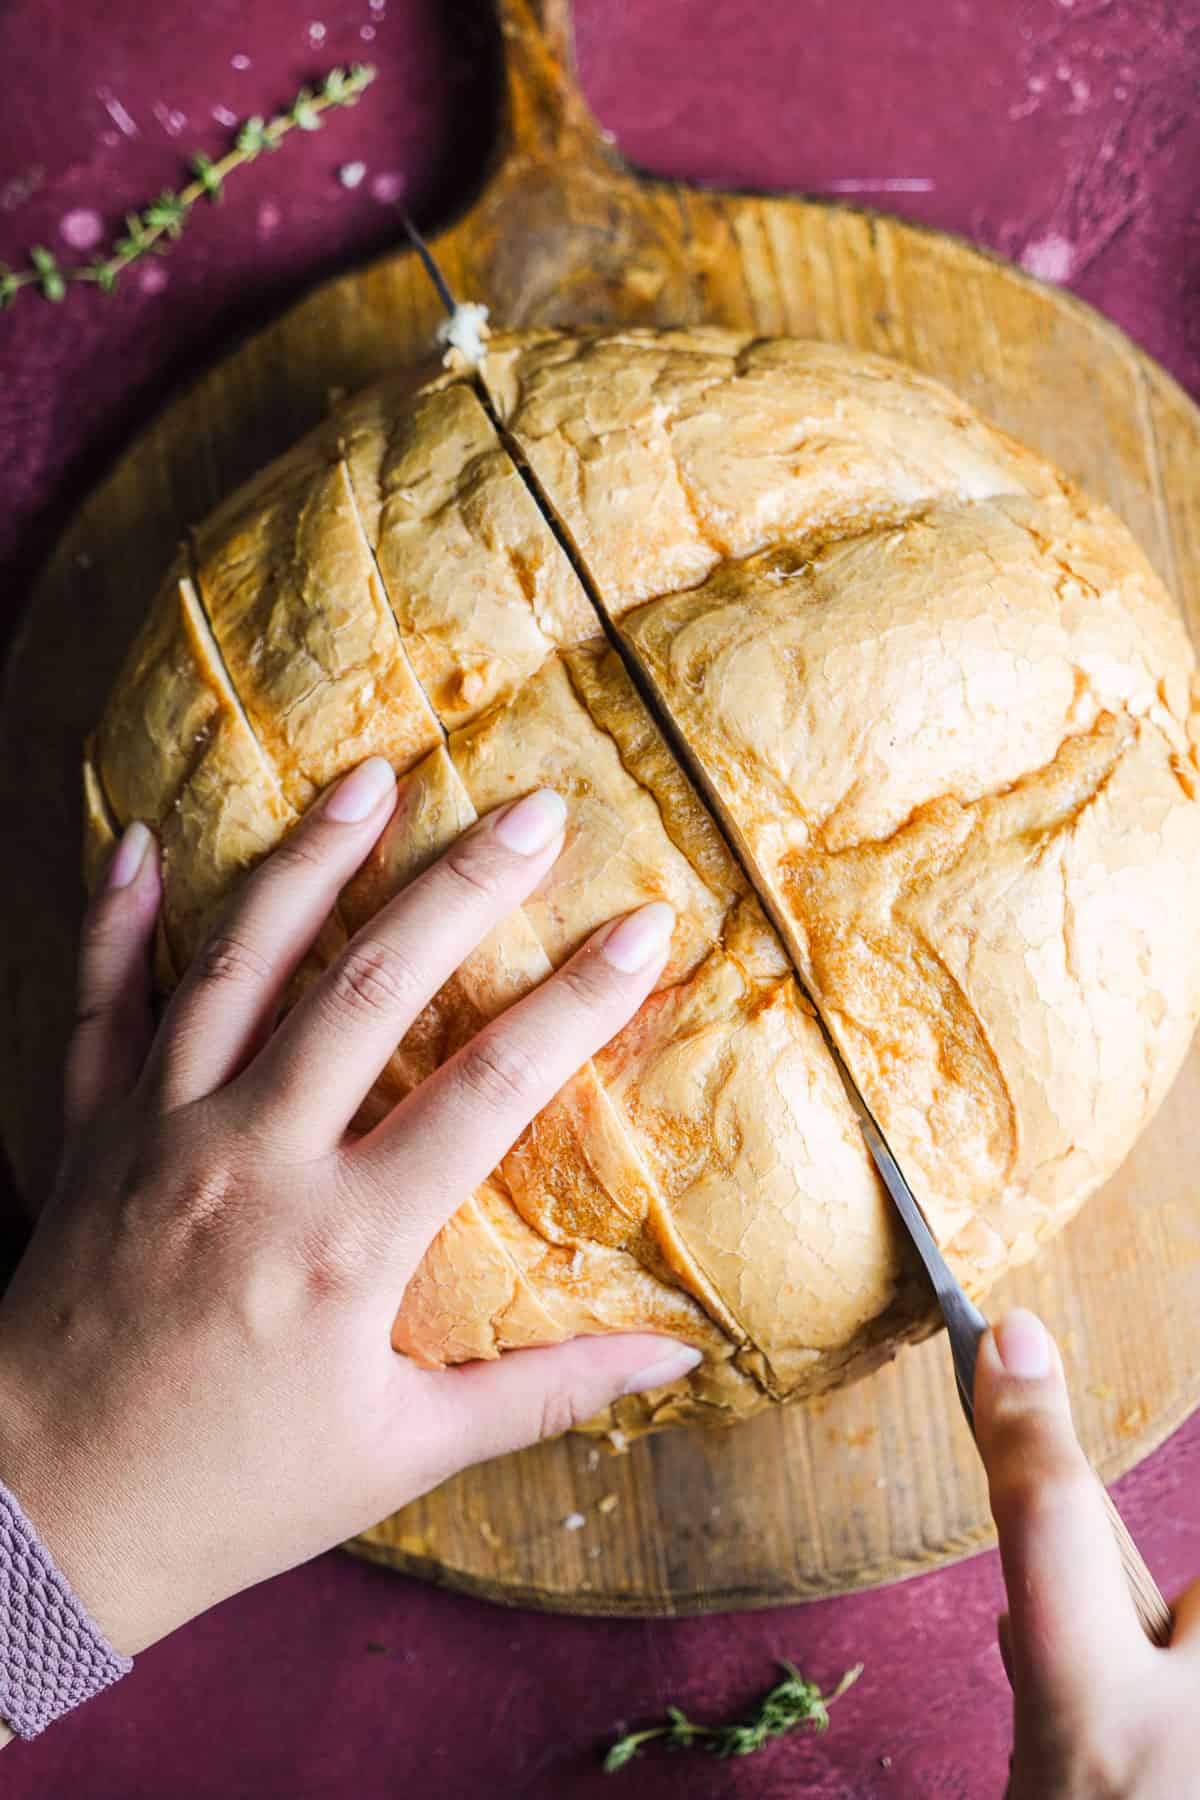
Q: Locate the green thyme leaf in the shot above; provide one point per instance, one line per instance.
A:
(167, 213)
(623, 1751)
(50, 278)
(304, 113)
(251, 138)
(208, 175)
(791, 1704)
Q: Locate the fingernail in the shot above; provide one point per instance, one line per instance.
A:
(1024, 1345)
(356, 797)
(634, 941)
(672, 1367)
(129, 855)
(530, 824)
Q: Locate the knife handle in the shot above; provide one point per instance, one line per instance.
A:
(1154, 1615)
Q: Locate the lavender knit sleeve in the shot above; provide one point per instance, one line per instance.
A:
(52, 1655)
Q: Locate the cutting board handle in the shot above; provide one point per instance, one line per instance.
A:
(547, 115)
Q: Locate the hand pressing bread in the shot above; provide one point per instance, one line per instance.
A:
(197, 1383)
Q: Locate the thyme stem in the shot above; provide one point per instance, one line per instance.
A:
(791, 1703)
(148, 230)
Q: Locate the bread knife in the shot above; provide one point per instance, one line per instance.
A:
(965, 1324)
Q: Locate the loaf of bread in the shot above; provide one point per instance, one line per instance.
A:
(914, 731)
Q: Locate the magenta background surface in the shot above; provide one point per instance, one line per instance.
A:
(1064, 133)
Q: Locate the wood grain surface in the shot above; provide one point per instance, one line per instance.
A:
(879, 1481)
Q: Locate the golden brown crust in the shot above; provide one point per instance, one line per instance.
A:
(976, 893)
(480, 590)
(289, 585)
(666, 453)
(100, 829)
(174, 750)
(942, 706)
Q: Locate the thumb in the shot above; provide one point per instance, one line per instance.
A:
(1071, 1618)
(531, 1394)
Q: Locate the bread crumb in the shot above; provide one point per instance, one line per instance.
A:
(490, 1535)
(574, 1522)
(465, 331)
(618, 1440)
(608, 1504)
(593, 1461)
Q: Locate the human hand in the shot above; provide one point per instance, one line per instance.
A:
(1100, 1713)
(197, 1385)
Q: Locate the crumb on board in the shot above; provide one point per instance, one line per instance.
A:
(592, 1462)
(574, 1522)
(465, 330)
(608, 1504)
(490, 1535)
(618, 1440)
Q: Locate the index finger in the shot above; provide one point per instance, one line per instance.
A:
(315, 1073)
(437, 1145)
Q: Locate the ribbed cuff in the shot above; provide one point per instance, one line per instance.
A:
(53, 1656)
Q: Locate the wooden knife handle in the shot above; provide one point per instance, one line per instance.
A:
(1154, 1615)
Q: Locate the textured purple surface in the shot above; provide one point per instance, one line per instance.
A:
(1062, 132)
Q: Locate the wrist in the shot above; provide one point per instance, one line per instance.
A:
(55, 1655)
(77, 1517)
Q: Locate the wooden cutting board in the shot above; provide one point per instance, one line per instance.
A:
(879, 1481)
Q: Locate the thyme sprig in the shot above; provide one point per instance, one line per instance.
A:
(154, 226)
(790, 1704)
